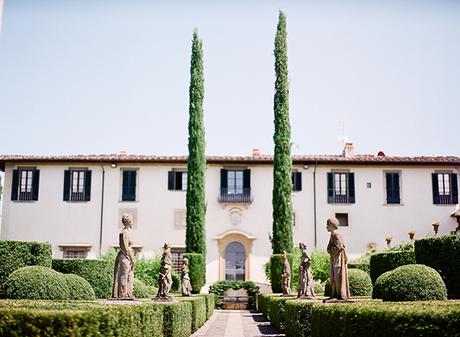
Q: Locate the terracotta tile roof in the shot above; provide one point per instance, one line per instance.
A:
(262, 159)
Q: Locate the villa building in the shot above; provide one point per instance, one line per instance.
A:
(76, 203)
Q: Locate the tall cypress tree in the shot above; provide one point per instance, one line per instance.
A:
(196, 165)
(282, 163)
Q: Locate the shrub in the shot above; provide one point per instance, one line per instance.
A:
(177, 319)
(38, 283)
(360, 265)
(219, 288)
(62, 319)
(210, 304)
(198, 310)
(141, 290)
(276, 266)
(277, 312)
(411, 283)
(443, 254)
(263, 304)
(197, 270)
(383, 262)
(376, 319)
(360, 283)
(18, 254)
(79, 288)
(299, 313)
(320, 265)
(98, 273)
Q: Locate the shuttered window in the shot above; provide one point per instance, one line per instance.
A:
(177, 180)
(445, 188)
(296, 181)
(77, 185)
(235, 185)
(25, 184)
(129, 185)
(341, 188)
(393, 187)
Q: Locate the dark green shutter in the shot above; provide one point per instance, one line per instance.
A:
(87, 185)
(396, 189)
(298, 181)
(223, 178)
(15, 185)
(178, 178)
(171, 180)
(129, 185)
(392, 185)
(435, 186)
(330, 188)
(351, 188)
(66, 189)
(247, 178)
(35, 184)
(454, 188)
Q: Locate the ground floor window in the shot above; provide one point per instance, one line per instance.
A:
(235, 261)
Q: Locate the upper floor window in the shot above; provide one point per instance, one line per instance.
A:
(25, 184)
(177, 180)
(129, 183)
(77, 185)
(297, 181)
(392, 188)
(341, 188)
(445, 188)
(235, 185)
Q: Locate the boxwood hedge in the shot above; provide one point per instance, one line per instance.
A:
(277, 311)
(386, 261)
(360, 283)
(299, 313)
(210, 304)
(17, 254)
(415, 282)
(443, 254)
(198, 310)
(98, 273)
(141, 290)
(79, 288)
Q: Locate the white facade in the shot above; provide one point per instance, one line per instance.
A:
(160, 213)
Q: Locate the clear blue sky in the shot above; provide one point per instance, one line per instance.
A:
(99, 76)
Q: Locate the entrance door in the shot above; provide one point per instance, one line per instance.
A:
(235, 260)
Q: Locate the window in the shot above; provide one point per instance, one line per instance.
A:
(297, 181)
(77, 185)
(343, 219)
(341, 188)
(74, 251)
(177, 254)
(177, 180)
(235, 186)
(25, 184)
(445, 188)
(235, 262)
(129, 185)
(392, 188)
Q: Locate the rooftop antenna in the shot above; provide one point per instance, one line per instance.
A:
(341, 138)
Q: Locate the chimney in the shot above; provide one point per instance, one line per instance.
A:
(348, 150)
(255, 152)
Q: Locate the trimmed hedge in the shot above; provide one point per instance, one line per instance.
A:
(277, 311)
(198, 310)
(210, 304)
(364, 266)
(177, 319)
(141, 290)
(79, 288)
(432, 319)
(18, 254)
(36, 283)
(197, 271)
(98, 273)
(299, 313)
(263, 304)
(443, 254)
(360, 283)
(383, 262)
(415, 282)
(276, 266)
(218, 288)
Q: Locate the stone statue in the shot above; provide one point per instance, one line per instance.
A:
(338, 270)
(186, 287)
(285, 274)
(165, 278)
(306, 290)
(124, 264)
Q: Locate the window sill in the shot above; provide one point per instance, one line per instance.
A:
(127, 201)
(76, 201)
(400, 204)
(24, 201)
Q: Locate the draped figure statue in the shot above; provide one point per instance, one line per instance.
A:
(186, 287)
(164, 277)
(305, 290)
(124, 264)
(285, 274)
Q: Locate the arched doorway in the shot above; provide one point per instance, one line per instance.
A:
(235, 261)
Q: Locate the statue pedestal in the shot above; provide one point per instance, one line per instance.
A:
(306, 298)
(336, 300)
(168, 299)
(127, 301)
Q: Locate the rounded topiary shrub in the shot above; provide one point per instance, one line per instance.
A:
(79, 288)
(414, 282)
(141, 290)
(360, 283)
(36, 283)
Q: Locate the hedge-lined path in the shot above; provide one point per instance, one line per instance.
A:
(237, 323)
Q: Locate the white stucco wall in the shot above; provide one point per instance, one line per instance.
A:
(51, 219)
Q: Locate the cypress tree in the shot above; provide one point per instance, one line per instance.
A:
(196, 164)
(282, 163)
